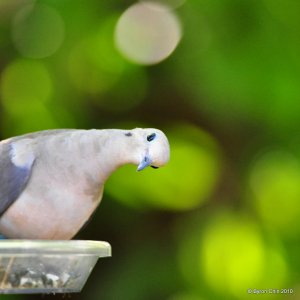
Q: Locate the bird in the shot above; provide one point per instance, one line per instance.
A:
(52, 181)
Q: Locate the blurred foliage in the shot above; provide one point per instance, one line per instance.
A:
(224, 215)
(231, 255)
(275, 182)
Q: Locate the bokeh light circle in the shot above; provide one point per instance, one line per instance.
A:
(274, 180)
(226, 253)
(26, 88)
(230, 247)
(186, 182)
(24, 84)
(37, 31)
(147, 33)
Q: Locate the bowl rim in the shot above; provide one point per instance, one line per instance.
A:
(55, 247)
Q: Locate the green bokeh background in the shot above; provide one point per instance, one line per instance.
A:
(224, 215)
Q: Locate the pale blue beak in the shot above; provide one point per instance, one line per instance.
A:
(144, 163)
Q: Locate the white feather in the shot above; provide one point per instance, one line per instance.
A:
(21, 153)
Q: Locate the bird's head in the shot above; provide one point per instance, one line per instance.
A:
(152, 148)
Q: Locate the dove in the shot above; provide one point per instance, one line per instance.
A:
(52, 181)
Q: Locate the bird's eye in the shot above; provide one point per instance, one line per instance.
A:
(151, 137)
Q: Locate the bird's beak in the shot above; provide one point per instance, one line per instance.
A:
(144, 163)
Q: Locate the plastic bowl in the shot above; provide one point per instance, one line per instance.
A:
(42, 266)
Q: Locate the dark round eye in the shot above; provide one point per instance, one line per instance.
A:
(151, 137)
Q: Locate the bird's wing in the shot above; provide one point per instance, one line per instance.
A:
(16, 163)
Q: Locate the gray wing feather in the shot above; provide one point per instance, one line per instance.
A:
(13, 179)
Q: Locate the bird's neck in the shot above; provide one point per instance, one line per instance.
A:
(109, 150)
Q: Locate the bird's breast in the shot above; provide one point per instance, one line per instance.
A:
(53, 206)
